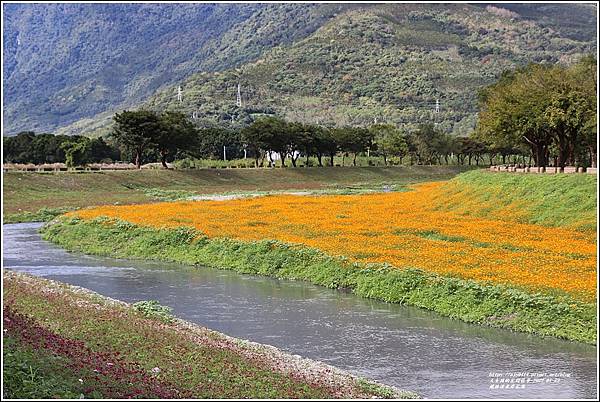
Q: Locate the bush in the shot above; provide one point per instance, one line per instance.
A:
(153, 309)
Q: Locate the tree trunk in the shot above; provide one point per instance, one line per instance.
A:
(571, 154)
(138, 158)
(354, 160)
(331, 159)
(540, 157)
(271, 162)
(384, 160)
(163, 158)
(319, 158)
(562, 155)
(282, 155)
(469, 159)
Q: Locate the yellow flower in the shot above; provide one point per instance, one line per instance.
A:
(402, 229)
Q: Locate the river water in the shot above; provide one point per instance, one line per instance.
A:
(407, 347)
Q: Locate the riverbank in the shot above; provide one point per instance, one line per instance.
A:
(35, 196)
(81, 343)
(497, 305)
(560, 200)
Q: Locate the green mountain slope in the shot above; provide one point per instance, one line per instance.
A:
(386, 63)
(335, 64)
(65, 62)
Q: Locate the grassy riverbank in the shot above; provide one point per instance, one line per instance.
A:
(28, 194)
(62, 341)
(497, 305)
(559, 200)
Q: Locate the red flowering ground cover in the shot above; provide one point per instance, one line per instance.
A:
(115, 352)
(107, 373)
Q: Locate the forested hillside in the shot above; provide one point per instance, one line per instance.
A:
(64, 62)
(328, 64)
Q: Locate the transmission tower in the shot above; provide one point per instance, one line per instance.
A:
(179, 94)
(238, 101)
(436, 112)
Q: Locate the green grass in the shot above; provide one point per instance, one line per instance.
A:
(561, 200)
(192, 362)
(168, 195)
(26, 193)
(42, 215)
(495, 305)
(36, 374)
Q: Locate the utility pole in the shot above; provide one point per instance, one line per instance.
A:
(238, 101)
(179, 94)
(224, 153)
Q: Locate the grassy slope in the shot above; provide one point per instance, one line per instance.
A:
(30, 192)
(122, 344)
(469, 301)
(564, 200)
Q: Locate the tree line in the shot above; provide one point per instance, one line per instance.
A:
(548, 111)
(144, 136)
(171, 135)
(540, 112)
(76, 150)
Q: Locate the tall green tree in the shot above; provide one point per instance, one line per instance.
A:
(571, 108)
(549, 108)
(325, 144)
(257, 137)
(136, 131)
(389, 141)
(512, 112)
(77, 153)
(175, 133)
(17, 149)
(269, 134)
(210, 143)
(425, 143)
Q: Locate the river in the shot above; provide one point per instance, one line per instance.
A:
(403, 346)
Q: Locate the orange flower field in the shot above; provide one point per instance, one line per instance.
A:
(398, 228)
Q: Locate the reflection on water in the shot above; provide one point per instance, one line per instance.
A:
(403, 346)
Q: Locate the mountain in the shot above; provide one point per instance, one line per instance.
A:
(337, 64)
(64, 62)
